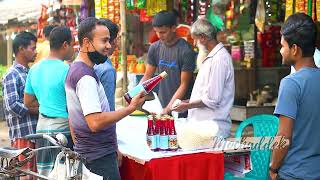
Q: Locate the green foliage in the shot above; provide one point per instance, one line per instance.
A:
(3, 70)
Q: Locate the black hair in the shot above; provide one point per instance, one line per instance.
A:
(47, 30)
(113, 28)
(58, 36)
(176, 13)
(86, 27)
(300, 29)
(164, 18)
(318, 35)
(23, 39)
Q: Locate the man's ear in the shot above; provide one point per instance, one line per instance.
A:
(295, 50)
(173, 28)
(86, 42)
(202, 39)
(21, 48)
(65, 44)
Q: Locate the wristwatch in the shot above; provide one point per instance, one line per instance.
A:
(273, 170)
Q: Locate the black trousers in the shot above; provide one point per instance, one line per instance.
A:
(106, 166)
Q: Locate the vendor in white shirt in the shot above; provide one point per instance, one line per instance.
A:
(213, 92)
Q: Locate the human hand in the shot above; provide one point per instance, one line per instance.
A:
(166, 110)
(181, 107)
(272, 175)
(137, 101)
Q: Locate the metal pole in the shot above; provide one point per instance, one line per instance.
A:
(9, 48)
(123, 45)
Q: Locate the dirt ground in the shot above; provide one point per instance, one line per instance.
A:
(4, 136)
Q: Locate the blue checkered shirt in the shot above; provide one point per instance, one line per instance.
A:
(20, 122)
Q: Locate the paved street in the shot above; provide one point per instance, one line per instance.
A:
(4, 138)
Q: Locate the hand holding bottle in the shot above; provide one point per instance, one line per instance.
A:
(138, 100)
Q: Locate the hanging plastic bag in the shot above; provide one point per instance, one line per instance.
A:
(260, 16)
(59, 171)
(130, 4)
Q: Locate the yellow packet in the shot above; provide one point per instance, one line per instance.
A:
(97, 8)
(318, 9)
(161, 5)
(289, 8)
(104, 8)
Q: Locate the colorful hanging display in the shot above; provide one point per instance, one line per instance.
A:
(130, 4)
(144, 17)
(317, 9)
(272, 9)
(189, 11)
(203, 7)
(109, 9)
(155, 6)
(141, 4)
(260, 16)
(289, 8)
(301, 6)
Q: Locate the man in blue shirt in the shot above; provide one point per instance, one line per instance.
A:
(297, 105)
(21, 120)
(46, 84)
(106, 72)
(316, 55)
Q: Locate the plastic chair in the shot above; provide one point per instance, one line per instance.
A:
(263, 125)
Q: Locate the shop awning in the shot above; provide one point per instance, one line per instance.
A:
(19, 11)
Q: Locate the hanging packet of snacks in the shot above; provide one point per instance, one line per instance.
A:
(130, 4)
(161, 5)
(271, 11)
(318, 9)
(183, 6)
(230, 15)
(301, 6)
(97, 8)
(116, 4)
(42, 21)
(260, 16)
(141, 4)
(144, 17)
(203, 6)
(151, 7)
(289, 8)
(111, 10)
(309, 7)
(104, 10)
(314, 10)
(190, 14)
(84, 10)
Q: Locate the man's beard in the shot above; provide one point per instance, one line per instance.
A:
(203, 52)
(288, 62)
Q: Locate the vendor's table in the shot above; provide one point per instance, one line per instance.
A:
(204, 166)
(139, 163)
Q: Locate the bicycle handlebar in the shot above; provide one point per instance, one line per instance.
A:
(60, 139)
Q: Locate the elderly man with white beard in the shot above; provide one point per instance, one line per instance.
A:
(213, 92)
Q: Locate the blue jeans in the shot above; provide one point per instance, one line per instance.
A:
(106, 166)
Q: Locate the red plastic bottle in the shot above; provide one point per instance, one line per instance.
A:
(146, 86)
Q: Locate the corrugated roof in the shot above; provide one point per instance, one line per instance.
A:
(19, 10)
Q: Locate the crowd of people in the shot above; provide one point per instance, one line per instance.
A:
(78, 99)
